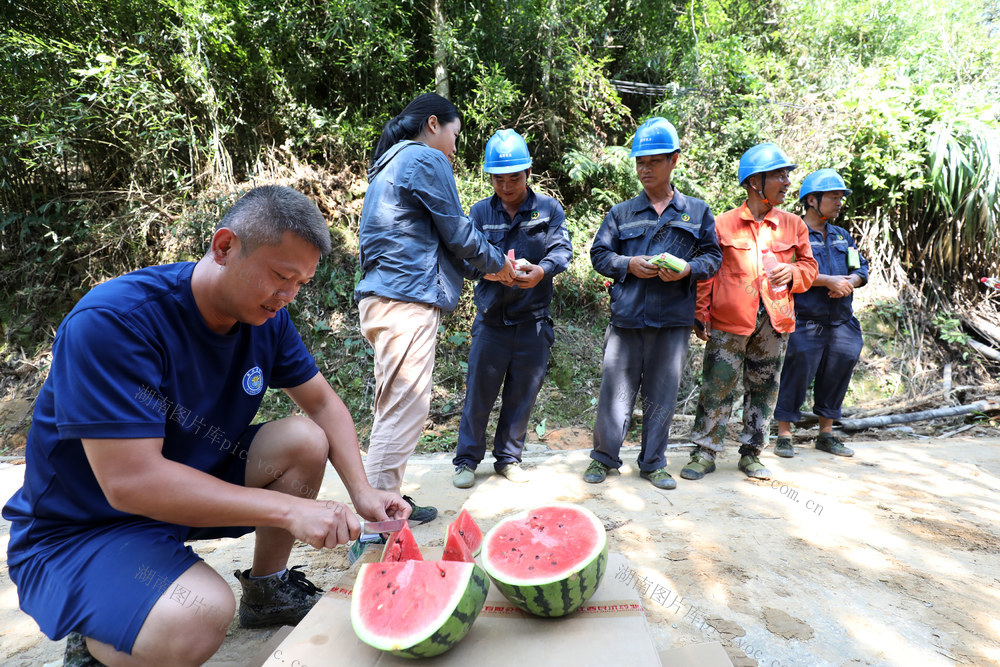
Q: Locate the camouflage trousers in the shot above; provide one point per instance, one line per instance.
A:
(728, 356)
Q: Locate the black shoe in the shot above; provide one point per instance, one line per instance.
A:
(783, 447)
(77, 654)
(421, 514)
(276, 600)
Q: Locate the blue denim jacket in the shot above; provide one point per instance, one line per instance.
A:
(686, 229)
(413, 233)
(816, 304)
(538, 234)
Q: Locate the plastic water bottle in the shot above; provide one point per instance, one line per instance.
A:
(770, 263)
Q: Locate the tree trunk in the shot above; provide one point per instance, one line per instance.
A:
(888, 420)
(439, 28)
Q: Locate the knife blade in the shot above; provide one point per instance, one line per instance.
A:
(378, 527)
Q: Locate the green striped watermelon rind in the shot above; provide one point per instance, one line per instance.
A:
(441, 634)
(557, 596)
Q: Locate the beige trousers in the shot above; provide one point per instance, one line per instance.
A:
(403, 336)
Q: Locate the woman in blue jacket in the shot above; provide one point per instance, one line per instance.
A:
(413, 239)
(827, 340)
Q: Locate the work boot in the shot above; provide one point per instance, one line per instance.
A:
(783, 447)
(659, 478)
(464, 477)
(826, 442)
(514, 472)
(699, 466)
(279, 599)
(596, 472)
(77, 654)
(750, 464)
(421, 514)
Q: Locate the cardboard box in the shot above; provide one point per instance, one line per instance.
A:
(610, 629)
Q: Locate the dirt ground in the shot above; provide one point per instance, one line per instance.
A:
(889, 558)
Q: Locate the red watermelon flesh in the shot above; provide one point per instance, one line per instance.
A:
(549, 560)
(455, 548)
(401, 546)
(469, 530)
(416, 608)
(546, 543)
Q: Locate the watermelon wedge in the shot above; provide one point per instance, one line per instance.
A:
(455, 547)
(469, 530)
(415, 608)
(548, 560)
(400, 546)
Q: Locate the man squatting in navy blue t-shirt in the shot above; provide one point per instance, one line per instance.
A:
(141, 441)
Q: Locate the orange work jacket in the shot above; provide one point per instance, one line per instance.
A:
(731, 298)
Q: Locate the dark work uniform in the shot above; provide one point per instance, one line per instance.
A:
(646, 342)
(512, 332)
(827, 340)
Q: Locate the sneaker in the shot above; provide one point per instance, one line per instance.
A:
(464, 477)
(77, 654)
(826, 442)
(421, 514)
(361, 544)
(698, 466)
(783, 447)
(514, 472)
(751, 466)
(596, 472)
(660, 478)
(276, 600)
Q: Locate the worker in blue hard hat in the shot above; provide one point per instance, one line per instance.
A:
(746, 312)
(655, 247)
(512, 333)
(827, 340)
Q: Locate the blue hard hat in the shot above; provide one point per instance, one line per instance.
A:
(506, 153)
(762, 158)
(822, 180)
(655, 136)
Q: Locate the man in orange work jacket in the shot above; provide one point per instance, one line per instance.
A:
(746, 311)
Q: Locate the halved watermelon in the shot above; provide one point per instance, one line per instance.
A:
(401, 545)
(417, 609)
(469, 530)
(455, 547)
(549, 560)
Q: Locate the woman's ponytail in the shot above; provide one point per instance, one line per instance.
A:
(412, 120)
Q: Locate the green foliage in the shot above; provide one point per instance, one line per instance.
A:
(125, 125)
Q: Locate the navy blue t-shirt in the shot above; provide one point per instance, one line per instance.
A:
(135, 359)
